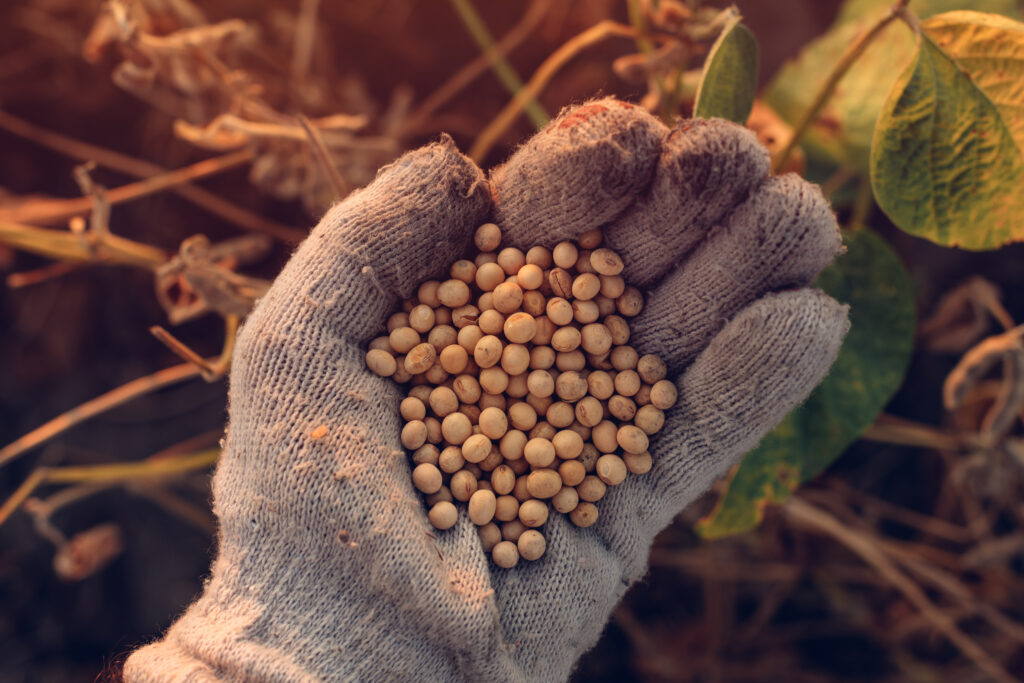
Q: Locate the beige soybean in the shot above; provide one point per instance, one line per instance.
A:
(585, 312)
(566, 500)
(559, 311)
(621, 408)
(475, 448)
(567, 444)
(513, 444)
(604, 436)
(428, 452)
(591, 489)
(585, 286)
(632, 439)
(611, 469)
(493, 423)
(630, 303)
(494, 381)
(503, 480)
(539, 256)
(522, 416)
(397, 320)
(491, 322)
(455, 428)
(565, 254)
(490, 536)
(627, 383)
(414, 434)
(649, 419)
(571, 386)
(481, 507)
(487, 237)
(595, 338)
(489, 276)
(566, 339)
(638, 463)
(463, 270)
(606, 262)
(651, 368)
(531, 545)
(427, 478)
(520, 328)
(467, 388)
(584, 515)
(412, 408)
(539, 452)
(543, 483)
(443, 401)
(450, 460)
(427, 293)
(516, 383)
(663, 394)
(560, 414)
(443, 515)
(511, 531)
(421, 318)
(505, 554)
(462, 485)
(506, 508)
(403, 339)
(508, 297)
(453, 293)
(453, 359)
(572, 472)
(534, 303)
(533, 513)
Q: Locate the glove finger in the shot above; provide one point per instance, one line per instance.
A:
(377, 245)
(707, 167)
(780, 237)
(578, 173)
(755, 371)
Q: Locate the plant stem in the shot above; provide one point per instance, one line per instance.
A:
(468, 73)
(100, 404)
(851, 55)
(544, 73)
(502, 69)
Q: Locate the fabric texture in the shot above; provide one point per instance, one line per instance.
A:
(327, 567)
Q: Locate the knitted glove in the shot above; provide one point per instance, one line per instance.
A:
(327, 568)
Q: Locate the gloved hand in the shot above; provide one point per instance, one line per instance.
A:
(327, 568)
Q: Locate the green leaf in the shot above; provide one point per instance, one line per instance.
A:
(729, 82)
(869, 370)
(843, 132)
(947, 161)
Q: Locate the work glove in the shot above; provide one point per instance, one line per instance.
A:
(327, 567)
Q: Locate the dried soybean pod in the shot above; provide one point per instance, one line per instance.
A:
(566, 500)
(506, 508)
(481, 507)
(591, 489)
(531, 545)
(505, 554)
(533, 513)
(584, 515)
(490, 536)
(443, 515)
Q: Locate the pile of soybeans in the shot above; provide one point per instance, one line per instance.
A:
(524, 392)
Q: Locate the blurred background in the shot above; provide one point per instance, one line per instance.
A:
(91, 567)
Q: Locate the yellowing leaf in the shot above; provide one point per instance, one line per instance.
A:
(946, 159)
